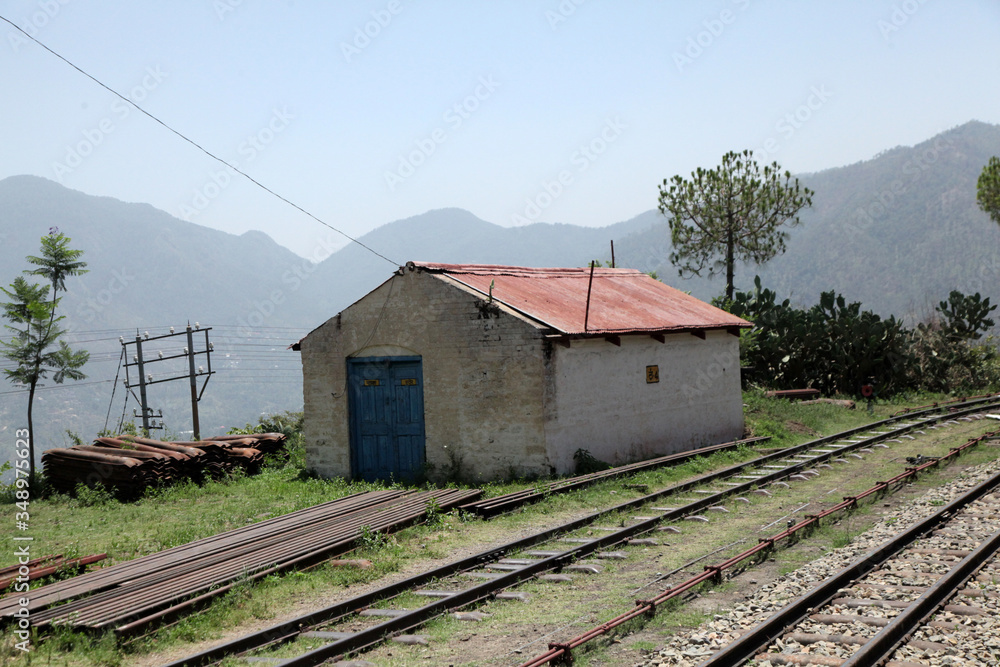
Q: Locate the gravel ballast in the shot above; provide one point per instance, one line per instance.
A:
(979, 641)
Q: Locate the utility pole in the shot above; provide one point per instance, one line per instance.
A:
(194, 383)
(142, 359)
(142, 381)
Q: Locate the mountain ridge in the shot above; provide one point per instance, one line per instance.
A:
(896, 232)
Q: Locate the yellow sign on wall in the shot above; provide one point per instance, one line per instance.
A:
(652, 374)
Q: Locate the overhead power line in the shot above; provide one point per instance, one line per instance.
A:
(58, 386)
(199, 146)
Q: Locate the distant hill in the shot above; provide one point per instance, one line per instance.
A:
(896, 232)
(146, 267)
(456, 236)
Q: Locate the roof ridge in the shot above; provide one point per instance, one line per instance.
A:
(503, 269)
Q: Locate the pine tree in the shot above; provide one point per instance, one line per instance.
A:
(733, 212)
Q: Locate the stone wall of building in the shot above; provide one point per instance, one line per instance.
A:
(483, 373)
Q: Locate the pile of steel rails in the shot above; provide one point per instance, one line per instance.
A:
(134, 594)
(128, 464)
(36, 568)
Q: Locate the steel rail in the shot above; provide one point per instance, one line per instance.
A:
(213, 581)
(247, 561)
(290, 629)
(936, 404)
(371, 636)
(885, 643)
(753, 640)
(563, 650)
(487, 505)
(217, 585)
(491, 507)
(130, 589)
(113, 576)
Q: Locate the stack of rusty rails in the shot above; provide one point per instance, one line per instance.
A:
(505, 503)
(189, 458)
(65, 469)
(129, 464)
(43, 567)
(793, 394)
(220, 458)
(133, 595)
(266, 443)
(167, 466)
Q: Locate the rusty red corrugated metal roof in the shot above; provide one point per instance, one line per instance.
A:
(621, 300)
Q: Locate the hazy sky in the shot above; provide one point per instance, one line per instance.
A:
(556, 111)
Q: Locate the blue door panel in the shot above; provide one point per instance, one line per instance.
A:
(409, 462)
(386, 417)
(368, 462)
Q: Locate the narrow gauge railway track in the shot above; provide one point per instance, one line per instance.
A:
(562, 651)
(861, 615)
(501, 504)
(504, 575)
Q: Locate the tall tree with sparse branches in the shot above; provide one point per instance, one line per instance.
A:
(36, 347)
(734, 212)
(988, 189)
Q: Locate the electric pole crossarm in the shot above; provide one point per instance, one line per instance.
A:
(140, 362)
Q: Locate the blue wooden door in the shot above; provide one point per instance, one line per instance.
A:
(386, 402)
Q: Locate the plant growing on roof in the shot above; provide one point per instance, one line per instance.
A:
(734, 212)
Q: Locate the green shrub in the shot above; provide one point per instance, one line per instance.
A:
(837, 347)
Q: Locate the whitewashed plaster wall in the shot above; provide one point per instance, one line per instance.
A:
(598, 399)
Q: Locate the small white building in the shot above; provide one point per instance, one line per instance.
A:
(488, 372)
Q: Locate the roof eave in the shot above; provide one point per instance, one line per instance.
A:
(733, 329)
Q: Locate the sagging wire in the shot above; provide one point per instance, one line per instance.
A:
(201, 148)
(114, 388)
